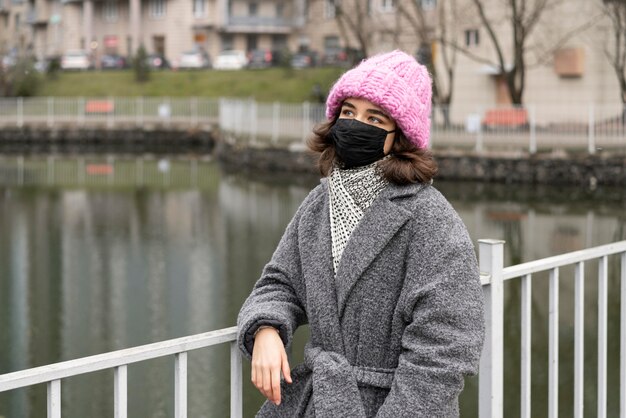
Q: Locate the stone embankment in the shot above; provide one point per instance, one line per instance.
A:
(554, 168)
(132, 140)
(603, 168)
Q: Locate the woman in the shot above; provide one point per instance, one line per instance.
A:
(376, 261)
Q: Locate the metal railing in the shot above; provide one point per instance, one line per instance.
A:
(119, 360)
(531, 128)
(108, 112)
(493, 274)
(491, 375)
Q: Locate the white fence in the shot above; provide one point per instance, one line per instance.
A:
(491, 381)
(532, 128)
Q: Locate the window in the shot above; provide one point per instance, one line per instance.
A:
(227, 42)
(388, 5)
(280, 9)
(157, 8)
(428, 4)
(329, 9)
(279, 42)
(472, 37)
(109, 10)
(331, 44)
(253, 8)
(252, 41)
(199, 8)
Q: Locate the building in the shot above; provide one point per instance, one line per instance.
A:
(571, 68)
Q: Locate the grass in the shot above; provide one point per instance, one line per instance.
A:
(268, 85)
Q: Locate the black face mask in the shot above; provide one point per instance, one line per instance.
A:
(358, 143)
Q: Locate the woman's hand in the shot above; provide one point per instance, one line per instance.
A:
(268, 360)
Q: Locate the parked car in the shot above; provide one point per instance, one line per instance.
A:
(304, 60)
(259, 58)
(335, 57)
(231, 60)
(158, 62)
(195, 59)
(76, 60)
(112, 62)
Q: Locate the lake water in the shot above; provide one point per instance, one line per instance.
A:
(91, 263)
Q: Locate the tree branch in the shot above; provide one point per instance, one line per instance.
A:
(543, 59)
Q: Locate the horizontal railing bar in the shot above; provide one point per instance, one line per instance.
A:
(562, 260)
(113, 359)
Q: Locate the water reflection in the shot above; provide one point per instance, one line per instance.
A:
(86, 269)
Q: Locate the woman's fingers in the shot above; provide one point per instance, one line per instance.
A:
(267, 384)
(285, 367)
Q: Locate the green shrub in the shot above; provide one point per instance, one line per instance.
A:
(140, 65)
(20, 80)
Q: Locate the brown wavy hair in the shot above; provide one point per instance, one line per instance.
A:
(407, 163)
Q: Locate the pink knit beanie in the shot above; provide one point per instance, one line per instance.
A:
(395, 82)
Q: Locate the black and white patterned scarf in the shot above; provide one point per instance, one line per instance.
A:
(352, 191)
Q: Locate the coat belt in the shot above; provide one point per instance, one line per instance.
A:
(335, 382)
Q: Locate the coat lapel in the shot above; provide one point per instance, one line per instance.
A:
(379, 224)
(315, 244)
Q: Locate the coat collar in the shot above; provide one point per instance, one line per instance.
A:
(379, 224)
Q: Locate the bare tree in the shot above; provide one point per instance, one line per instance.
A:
(354, 22)
(439, 33)
(616, 53)
(522, 18)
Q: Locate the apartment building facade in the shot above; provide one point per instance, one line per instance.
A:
(566, 54)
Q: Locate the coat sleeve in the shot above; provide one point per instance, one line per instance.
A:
(276, 298)
(443, 311)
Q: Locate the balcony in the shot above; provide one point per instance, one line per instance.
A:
(258, 24)
(38, 15)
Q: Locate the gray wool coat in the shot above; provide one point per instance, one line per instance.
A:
(394, 333)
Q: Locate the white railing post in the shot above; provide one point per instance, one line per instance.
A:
(526, 352)
(54, 399)
(194, 111)
(532, 148)
(50, 118)
(602, 335)
(111, 114)
(236, 386)
(139, 111)
(479, 134)
(579, 340)
(306, 123)
(275, 121)
(20, 112)
(553, 344)
(255, 120)
(180, 385)
(591, 140)
(120, 393)
(81, 110)
(622, 373)
(491, 259)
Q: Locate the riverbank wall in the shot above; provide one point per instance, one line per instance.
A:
(556, 167)
(501, 167)
(153, 139)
